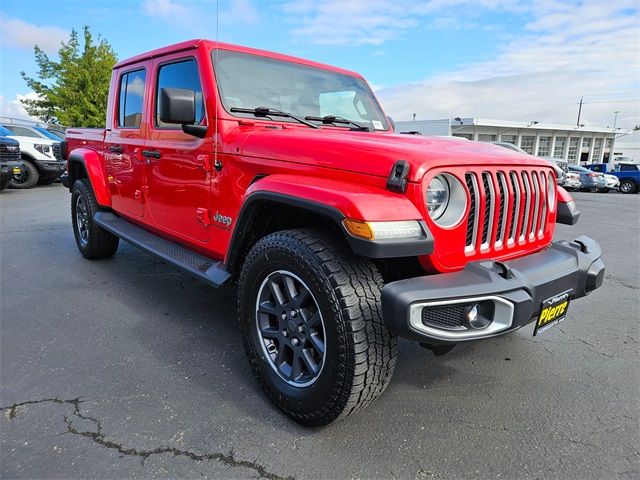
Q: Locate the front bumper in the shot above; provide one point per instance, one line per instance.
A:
(572, 184)
(51, 168)
(8, 169)
(514, 292)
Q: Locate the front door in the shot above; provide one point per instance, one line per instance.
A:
(177, 164)
(125, 140)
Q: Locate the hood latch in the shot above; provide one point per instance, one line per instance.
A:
(397, 181)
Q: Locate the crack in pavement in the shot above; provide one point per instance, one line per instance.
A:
(620, 282)
(98, 437)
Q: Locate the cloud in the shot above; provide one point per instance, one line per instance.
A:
(566, 50)
(166, 9)
(14, 108)
(241, 11)
(18, 34)
(200, 16)
(375, 22)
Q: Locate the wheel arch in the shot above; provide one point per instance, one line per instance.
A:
(27, 157)
(86, 163)
(280, 202)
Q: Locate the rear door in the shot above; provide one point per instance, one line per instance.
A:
(124, 140)
(177, 164)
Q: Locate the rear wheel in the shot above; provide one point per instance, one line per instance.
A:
(27, 179)
(92, 241)
(312, 326)
(628, 186)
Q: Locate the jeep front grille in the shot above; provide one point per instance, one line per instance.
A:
(506, 207)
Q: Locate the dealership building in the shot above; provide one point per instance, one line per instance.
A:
(577, 145)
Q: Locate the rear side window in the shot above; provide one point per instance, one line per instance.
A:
(183, 74)
(130, 99)
(628, 168)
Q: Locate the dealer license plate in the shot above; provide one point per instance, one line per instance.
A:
(552, 312)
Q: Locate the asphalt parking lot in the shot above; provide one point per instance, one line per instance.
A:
(129, 368)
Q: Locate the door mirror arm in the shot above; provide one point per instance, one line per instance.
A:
(199, 131)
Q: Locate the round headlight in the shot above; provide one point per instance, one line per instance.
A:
(437, 196)
(446, 200)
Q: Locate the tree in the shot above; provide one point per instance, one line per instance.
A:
(72, 91)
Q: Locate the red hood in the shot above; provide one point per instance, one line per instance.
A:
(375, 153)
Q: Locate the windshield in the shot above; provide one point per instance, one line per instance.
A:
(48, 134)
(250, 81)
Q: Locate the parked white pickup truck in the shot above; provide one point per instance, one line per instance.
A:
(40, 154)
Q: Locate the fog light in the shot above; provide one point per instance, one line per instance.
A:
(474, 318)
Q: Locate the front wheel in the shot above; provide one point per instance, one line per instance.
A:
(27, 178)
(92, 241)
(311, 322)
(628, 186)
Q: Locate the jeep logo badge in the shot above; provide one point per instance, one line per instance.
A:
(226, 221)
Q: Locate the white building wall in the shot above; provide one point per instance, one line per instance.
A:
(474, 131)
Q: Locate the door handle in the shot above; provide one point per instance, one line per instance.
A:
(151, 153)
(115, 149)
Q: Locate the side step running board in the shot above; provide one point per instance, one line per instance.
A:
(211, 271)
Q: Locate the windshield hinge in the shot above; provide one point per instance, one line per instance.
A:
(202, 214)
(397, 181)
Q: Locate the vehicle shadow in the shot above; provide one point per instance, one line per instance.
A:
(191, 330)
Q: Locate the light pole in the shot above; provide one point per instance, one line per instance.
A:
(615, 119)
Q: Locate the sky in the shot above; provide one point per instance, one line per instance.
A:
(501, 59)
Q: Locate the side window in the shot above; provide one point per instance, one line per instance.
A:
(182, 74)
(23, 132)
(130, 99)
(598, 168)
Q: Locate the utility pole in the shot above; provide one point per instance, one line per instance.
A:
(615, 119)
(579, 112)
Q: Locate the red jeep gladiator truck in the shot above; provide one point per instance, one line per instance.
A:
(285, 177)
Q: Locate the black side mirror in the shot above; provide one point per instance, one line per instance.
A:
(178, 105)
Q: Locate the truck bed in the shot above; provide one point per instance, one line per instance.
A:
(92, 138)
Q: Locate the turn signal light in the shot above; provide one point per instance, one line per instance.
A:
(358, 228)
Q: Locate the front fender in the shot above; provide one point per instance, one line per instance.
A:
(93, 165)
(359, 202)
(336, 201)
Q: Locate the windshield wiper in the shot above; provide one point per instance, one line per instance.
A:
(332, 119)
(271, 112)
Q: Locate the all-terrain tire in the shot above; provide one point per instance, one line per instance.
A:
(360, 352)
(628, 186)
(27, 179)
(92, 241)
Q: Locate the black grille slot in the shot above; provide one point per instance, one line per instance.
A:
(56, 151)
(448, 317)
(472, 207)
(488, 205)
(524, 220)
(500, 206)
(516, 205)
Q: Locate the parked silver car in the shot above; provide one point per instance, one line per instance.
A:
(591, 181)
(572, 182)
